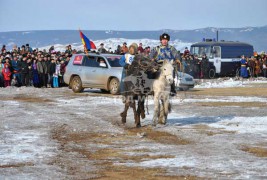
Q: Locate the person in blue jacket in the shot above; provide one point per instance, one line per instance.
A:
(125, 61)
(243, 70)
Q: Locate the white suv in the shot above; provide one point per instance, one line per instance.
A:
(101, 71)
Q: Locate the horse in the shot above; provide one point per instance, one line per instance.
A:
(161, 89)
(138, 86)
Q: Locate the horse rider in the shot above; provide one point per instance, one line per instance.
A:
(125, 61)
(166, 51)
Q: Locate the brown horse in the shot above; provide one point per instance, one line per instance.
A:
(137, 87)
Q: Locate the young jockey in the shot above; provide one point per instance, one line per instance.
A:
(125, 61)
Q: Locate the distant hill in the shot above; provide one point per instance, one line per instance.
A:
(257, 36)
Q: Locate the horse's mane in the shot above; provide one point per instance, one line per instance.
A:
(141, 63)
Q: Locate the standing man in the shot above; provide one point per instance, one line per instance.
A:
(16, 70)
(24, 72)
(42, 70)
(166, 51)
(102, 49)
(204, 67)
(244, 72)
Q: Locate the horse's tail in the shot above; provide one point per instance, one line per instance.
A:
(170, 107)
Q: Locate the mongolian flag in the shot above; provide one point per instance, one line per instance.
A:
(88, 45)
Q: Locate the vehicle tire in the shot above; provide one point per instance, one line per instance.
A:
(70, 84)
(212, 73)
(77, 84)
(114, 86)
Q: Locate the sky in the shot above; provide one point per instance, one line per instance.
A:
(23, 15)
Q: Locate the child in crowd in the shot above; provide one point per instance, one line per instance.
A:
(56, 74)
(7, 75)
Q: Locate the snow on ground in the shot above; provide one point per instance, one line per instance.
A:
(24, 135)
(231, 82)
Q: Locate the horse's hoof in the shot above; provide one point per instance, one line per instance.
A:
(123, 120)
(138, 125)
(162, 122)
(122, 115)
(143, 116)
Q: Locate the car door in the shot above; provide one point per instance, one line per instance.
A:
(89, 71)
(102, 72)
(217, 58)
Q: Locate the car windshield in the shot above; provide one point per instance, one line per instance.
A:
(114, 61)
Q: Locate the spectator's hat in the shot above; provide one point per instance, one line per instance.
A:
(7, 57)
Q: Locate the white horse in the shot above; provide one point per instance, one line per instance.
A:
(161, 87)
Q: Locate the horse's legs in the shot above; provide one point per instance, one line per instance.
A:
(156, 109)
(124, 113)
(141, 107)
(143, 112)
(165, 110)
(136, 115)
(161, 113)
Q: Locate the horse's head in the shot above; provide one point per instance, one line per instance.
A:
(167, 71)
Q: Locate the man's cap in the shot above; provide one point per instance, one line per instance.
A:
(165, 36)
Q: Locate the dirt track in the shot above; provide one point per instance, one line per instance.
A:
(55, 134)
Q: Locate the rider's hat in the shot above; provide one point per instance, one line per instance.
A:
(165, 36)
(134, 46)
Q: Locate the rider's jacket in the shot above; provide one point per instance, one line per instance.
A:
(160, 53)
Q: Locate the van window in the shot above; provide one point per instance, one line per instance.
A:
(90, 61)
(236, 51)
(217, 51)
(201, 50)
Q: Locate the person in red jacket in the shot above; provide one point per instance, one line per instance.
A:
(7, 75)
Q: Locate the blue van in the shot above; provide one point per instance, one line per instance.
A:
(224, 56)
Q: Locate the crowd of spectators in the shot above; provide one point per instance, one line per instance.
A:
(24, 66)
(198, 67)
(257, 65)
(123, 49)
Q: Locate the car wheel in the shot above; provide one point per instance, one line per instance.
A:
(212, 73)
(114, 86)
(70, 84)
(76, 84)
